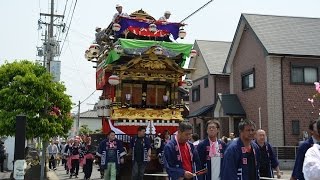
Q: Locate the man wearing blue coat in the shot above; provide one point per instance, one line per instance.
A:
(297, 173)
(268, 160)
(211, 151)
(141, 153)
(241, 157)
(181, 159)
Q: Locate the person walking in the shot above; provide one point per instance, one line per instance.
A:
(297, 173)
(88, 152)
(181, 159)
(241, 157)
(211, 151)
(141, 153)
(74, 152)
(53, 152)
(112, 155)
(268, 161)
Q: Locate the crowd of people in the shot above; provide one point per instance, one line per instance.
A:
(184, 156)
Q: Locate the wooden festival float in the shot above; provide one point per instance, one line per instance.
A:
(140, 70)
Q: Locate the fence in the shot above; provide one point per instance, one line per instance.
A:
(286, 152)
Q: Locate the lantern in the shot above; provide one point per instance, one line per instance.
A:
(187, 83)
(118, 49)
(193, 53)
(94, 50)
(152, 27)
(86, 55)
(182, 33)
(116, 27)
(158, 51)
(114, 80)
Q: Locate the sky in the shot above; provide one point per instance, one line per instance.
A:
(20, 36)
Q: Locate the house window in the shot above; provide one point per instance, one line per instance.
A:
(206, 83)
(248, 80)
(304, 74)
(196, 94)
(295, 127)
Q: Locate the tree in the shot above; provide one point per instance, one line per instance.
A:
(27, 88)
(85, 130)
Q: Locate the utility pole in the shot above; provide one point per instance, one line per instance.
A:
(78, 120)
(50, 48)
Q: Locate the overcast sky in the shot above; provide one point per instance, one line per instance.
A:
(19, 32)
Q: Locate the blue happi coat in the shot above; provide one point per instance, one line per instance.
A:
(235, 165)
(103, 151)
(272, 159)
(203, 150)
(146, 146)
(173, 163)
(297, 170)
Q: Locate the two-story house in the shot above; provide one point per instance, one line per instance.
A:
(273, 63)
(208, 81)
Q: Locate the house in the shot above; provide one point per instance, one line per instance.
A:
(89, 118)
(208, 80)
(273, 63)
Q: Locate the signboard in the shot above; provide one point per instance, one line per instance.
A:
(19, 167)
(100, 79)
(103, 108)
(55, 70)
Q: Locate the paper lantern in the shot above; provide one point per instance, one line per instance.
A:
(152, 28)
(182, 33)
(114, 80)
(116, 27)
(193, 53)
(158, 51)
(94, 50)
(187, 83)
(118, 48)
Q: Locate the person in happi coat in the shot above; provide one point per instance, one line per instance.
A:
(181, 159)
(297, 173)
(141, 153)
(241, 158)
(211, 151)
(112, 155)
(74, 158)
(88, 152)
(268, 160)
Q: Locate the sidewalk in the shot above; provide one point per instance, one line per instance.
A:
(5, 175)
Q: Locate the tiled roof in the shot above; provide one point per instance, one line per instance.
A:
(214, 54)
(89, 114)
(286, 35)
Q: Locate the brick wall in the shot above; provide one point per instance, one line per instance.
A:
(250, 55)
(296, 106)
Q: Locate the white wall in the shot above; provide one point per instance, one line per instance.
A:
(9, 144)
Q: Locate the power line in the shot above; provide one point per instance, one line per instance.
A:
(84, 99)
(68, 27)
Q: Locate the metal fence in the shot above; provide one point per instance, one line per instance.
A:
(286, 152)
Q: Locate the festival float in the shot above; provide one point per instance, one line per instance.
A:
(139, 70)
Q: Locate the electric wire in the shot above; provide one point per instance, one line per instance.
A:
(68, 28)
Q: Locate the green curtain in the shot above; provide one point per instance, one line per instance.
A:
(179, 48)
